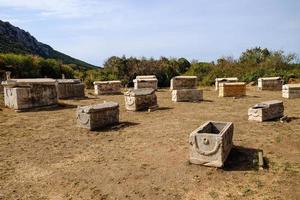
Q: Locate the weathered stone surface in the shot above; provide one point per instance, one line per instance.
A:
(270, 83)
(69, 88)
(145, 82)
(187, 95)
(107, 87)
(98, 116)
(225, 80)
(21, 94)
(210, 144)
(267, 110)
(291, 91)
(234, 89)
(140, 99)
(183, 82)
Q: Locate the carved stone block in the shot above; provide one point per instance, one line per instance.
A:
(140, 99)
(234, 89)
(145, 82)
(266, 111)
(183, 82)
(224, 80)
(291, 91)
(69, 88)
(107, 87)
(270, 83)
(187, 95)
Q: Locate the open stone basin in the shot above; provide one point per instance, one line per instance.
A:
(98, 116)
(69, 88)
(107, 87)
(291, 91)
(187, 95)
(270, 83)
(183, 82)
(233, 89)
(149, 81)
(225, 80)
(23, 94)
(140, 99)
(210, 144)
(266, 111)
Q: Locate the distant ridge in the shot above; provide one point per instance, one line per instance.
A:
(16, 40)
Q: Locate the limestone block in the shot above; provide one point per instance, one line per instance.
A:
(210, 144)
(107, 87)
(140, 99)
(187, 95)
(183, 82)
(21, 94)
(267, 110)
(291, 91)
(98, 116)
(224, 80)
(270, 83)
(69, 88)
(233, 89)
(145, 82)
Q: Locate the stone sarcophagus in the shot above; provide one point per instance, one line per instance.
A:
(266, 111)
(210, 144)
(183, 82)
(145, 82)
(98, 116)
(270, 83)
(291, 91)
(140, 99)
(224, 80)
(69, 88)
(236, 89)
(187, 95)
(22, 94)
(107, 87)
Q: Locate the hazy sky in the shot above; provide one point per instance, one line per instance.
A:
(94, 30)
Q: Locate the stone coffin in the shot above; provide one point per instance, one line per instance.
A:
(145, 82)
(97, 116)
(225, 80)
(187, 95)
(69, 88)
(236, 89)
(291, 91)
(266, 111)
(107, 87)
(183, 82)
(21, 94)
(140, 99)
(210, 144)
(270, 83)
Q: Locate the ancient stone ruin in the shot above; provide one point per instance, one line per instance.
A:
(210, 144)
(291, 91)
(233, 89)
(69, 88)
(224, 80)
(107, 87)
(270, 83)
(149, 81)
(140, 99)
(184, 89)
(21, 94)
(97, 116)
(265, 111)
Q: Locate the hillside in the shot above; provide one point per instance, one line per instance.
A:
(16, 40)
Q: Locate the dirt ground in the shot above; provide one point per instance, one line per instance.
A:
(43, 155)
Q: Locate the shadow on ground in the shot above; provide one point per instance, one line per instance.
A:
(117, 127)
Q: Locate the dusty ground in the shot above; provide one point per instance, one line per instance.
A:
(43, 155)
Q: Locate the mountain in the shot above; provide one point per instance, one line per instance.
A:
(16, 40)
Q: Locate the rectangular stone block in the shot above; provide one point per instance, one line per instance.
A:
(234, 89)
(270, 83)
(70, 88)
(22, 94)
(267, 110)
(210, 144)
(291, 91)
(224, 80)
(183, 82)
(98, 116)
(149, 81)
(107, 87)
(187, 95)
(140, 99)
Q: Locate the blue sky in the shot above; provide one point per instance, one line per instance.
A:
(93, 30)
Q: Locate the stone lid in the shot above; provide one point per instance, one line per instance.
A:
(98, 107)
(139, 92)
(270, 78)
(296, 86)
(68, 81)
(27, 82)
(227, 79)
(233, 83)
(146, 77)
(106, 82)
(185, 77)
(145, 80)
(266, 104)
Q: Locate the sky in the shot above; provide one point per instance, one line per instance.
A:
(94, 30)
